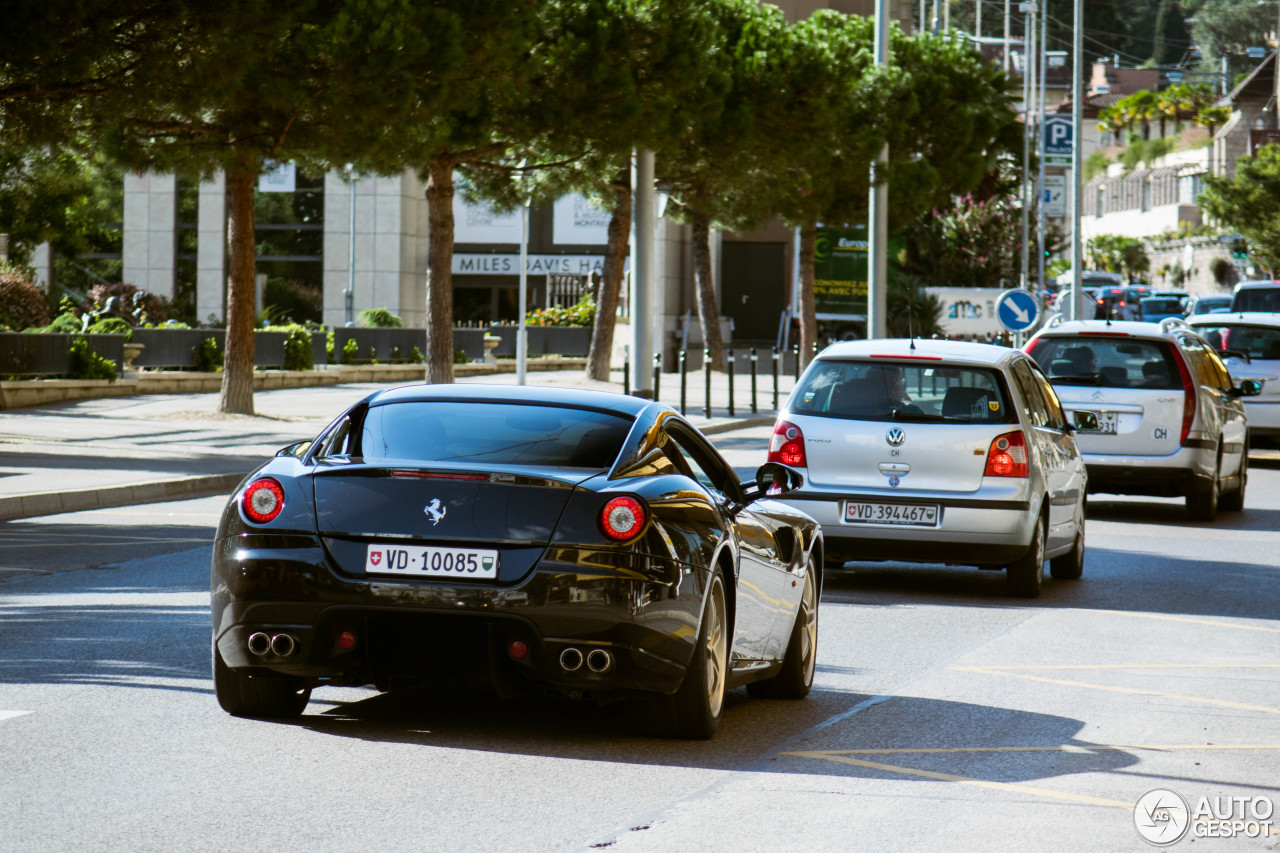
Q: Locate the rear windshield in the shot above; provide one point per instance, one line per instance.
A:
(909, 391)
(1254, 341)
(497, 433)
(1160, 305)
(1256, 299)
(1109, 362)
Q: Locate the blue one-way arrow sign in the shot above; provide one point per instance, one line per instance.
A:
(1017, 310)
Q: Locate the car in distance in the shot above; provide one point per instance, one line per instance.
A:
(1170, 421)
(1153, 309)
(933, 451)
(582, 543)
(1249, 343)
(1121, 303)
(1261, 295)
(1208, 303)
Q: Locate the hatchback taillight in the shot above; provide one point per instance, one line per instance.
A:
(1007, 456)
(263, 500)
(1188, 397)
(787, 445)
(623, 518)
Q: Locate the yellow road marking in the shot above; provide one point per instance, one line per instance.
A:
(1203, 700)
(1066, 747)
(843, 756)
(1171, 618)
(965, 780)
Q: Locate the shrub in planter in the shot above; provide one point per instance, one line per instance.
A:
(380, 318)
(350, 351)
(113, 325)
(297, 347)
(583, 313)
(86, 364)
(22, 305)
(207, 355)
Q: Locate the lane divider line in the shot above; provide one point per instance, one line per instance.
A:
(1202, 700)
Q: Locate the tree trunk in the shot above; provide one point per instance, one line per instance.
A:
(439, 354)
(237, 369)
(600, 354)
(808, 313)
(708, 310)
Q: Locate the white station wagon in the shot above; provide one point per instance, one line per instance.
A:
(933, 451)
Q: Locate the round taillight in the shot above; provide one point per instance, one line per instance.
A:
(518, 650)
(622, 518)
(263, 500)
(346, 640)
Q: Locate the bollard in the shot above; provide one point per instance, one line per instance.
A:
(731, 372)
(684, 380)
(706, 368)
(657, 373)
(755, 409)
(775, 379)
(626, 370)
(795, 351)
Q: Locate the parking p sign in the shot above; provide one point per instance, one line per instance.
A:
(1059, 136)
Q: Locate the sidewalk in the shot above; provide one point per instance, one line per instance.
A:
(120, 451)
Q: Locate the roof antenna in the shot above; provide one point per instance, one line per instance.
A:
(911, 332)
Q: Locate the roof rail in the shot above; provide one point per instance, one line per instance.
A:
(1168, 324)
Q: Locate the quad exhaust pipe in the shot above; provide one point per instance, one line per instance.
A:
(598, 661)
(281, 645)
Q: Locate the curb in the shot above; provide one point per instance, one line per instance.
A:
(54, 503)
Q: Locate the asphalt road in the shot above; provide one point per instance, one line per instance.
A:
(945, 716)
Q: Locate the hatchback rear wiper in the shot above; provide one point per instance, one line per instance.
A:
(1077, 379)
(905, 415)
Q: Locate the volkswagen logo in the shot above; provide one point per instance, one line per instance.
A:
(895, 437)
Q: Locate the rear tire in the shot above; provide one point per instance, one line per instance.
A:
(1202, 502)
(244, 695)
(1025, 576)
(695, 709)
(795, 679)
(1070, 566)
(1234, 501)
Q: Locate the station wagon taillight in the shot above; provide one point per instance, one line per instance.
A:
(1188, 396)
(787, 445)
(263, 500)
(1007, 456)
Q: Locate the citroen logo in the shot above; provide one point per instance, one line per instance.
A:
(895, 437)
(1097, 395)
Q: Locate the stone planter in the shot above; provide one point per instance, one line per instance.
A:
(131, 351)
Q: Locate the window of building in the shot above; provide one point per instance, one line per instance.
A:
(289, 231)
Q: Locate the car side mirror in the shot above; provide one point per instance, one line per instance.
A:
(773, 479)
(1086, 421)
(1248, 388)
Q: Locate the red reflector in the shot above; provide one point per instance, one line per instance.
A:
(263, 500)
(436, 475)
(346, 640)
(518, 650)
(622, 518)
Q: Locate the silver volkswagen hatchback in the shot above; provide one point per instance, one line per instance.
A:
(934, 451)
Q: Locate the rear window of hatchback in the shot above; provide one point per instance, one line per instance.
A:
(927, 391)
(1118, 362)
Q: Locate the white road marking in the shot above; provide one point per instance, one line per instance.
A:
(8, 715)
